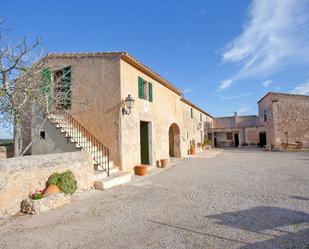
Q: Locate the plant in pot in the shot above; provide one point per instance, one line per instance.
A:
(37, 195)
(207, 144)
(64, 182)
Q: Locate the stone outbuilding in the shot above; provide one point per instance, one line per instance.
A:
(285, 119)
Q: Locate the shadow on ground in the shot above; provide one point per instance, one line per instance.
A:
(301, 198)
(259, 219)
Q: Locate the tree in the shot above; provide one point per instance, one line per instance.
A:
(28, 83)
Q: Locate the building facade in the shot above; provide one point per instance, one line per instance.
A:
(282, 123)
(285, 119)
(236, 131)
(160, 125)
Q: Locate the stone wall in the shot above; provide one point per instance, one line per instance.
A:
(287, 119)
(23, 175)
(6, 151)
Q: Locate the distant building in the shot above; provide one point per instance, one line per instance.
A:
(285, 119)
(236, 131)
(282, 122)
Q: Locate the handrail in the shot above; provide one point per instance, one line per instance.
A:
(81, 136)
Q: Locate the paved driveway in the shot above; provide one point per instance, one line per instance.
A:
(239, 199)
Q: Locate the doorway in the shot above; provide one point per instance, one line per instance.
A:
(262, 142)
(236, 139)
(145, 142)
(174, 140)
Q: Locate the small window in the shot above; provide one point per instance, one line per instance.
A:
(229, 136)
(265, 116)
(201, 117)
(191, 113)
(42, 135)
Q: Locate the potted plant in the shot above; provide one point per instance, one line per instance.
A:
(207, 144)
(37, 195)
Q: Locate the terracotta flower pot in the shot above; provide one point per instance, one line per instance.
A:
(140, 170)
(164, 163)
(51, 189)
(192, 151)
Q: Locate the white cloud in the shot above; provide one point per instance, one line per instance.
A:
(275, 36)
(235, 96)
(302, 88)
(266, 83)
(225, 84)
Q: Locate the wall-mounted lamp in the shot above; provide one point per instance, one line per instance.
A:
(128, 105)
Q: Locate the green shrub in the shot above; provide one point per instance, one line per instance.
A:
(207, 142)
(65, 181)
(54, 179)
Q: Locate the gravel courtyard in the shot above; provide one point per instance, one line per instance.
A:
(238, 199)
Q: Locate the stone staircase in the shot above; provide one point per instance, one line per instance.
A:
(106, 174)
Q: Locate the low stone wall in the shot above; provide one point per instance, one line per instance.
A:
(6, 151)
(21, 176)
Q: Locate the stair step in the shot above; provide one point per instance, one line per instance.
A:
(114, 179)
(100, 174)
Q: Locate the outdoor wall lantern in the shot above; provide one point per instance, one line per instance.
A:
(128, 105)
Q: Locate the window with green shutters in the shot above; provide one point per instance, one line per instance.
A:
(67, 74)
(45, 81)
(150, 91)
(191, 113)
(140, 87)
(145, 89)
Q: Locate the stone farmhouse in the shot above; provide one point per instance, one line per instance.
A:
(134, 116)
(161, 123)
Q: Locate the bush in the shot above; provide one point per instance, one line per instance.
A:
(207, 142)
(54, 179)
(65, 182)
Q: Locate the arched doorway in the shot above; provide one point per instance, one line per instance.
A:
(174, 140)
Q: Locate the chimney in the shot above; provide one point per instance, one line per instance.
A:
(236, 120)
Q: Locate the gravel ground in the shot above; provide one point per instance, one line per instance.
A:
(238, 199)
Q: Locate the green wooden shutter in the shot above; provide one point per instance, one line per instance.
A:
(67, 76)
(191, 113)
(140, 87)
(150, 91)
(45, 81)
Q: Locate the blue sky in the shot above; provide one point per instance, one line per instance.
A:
(224, 55)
